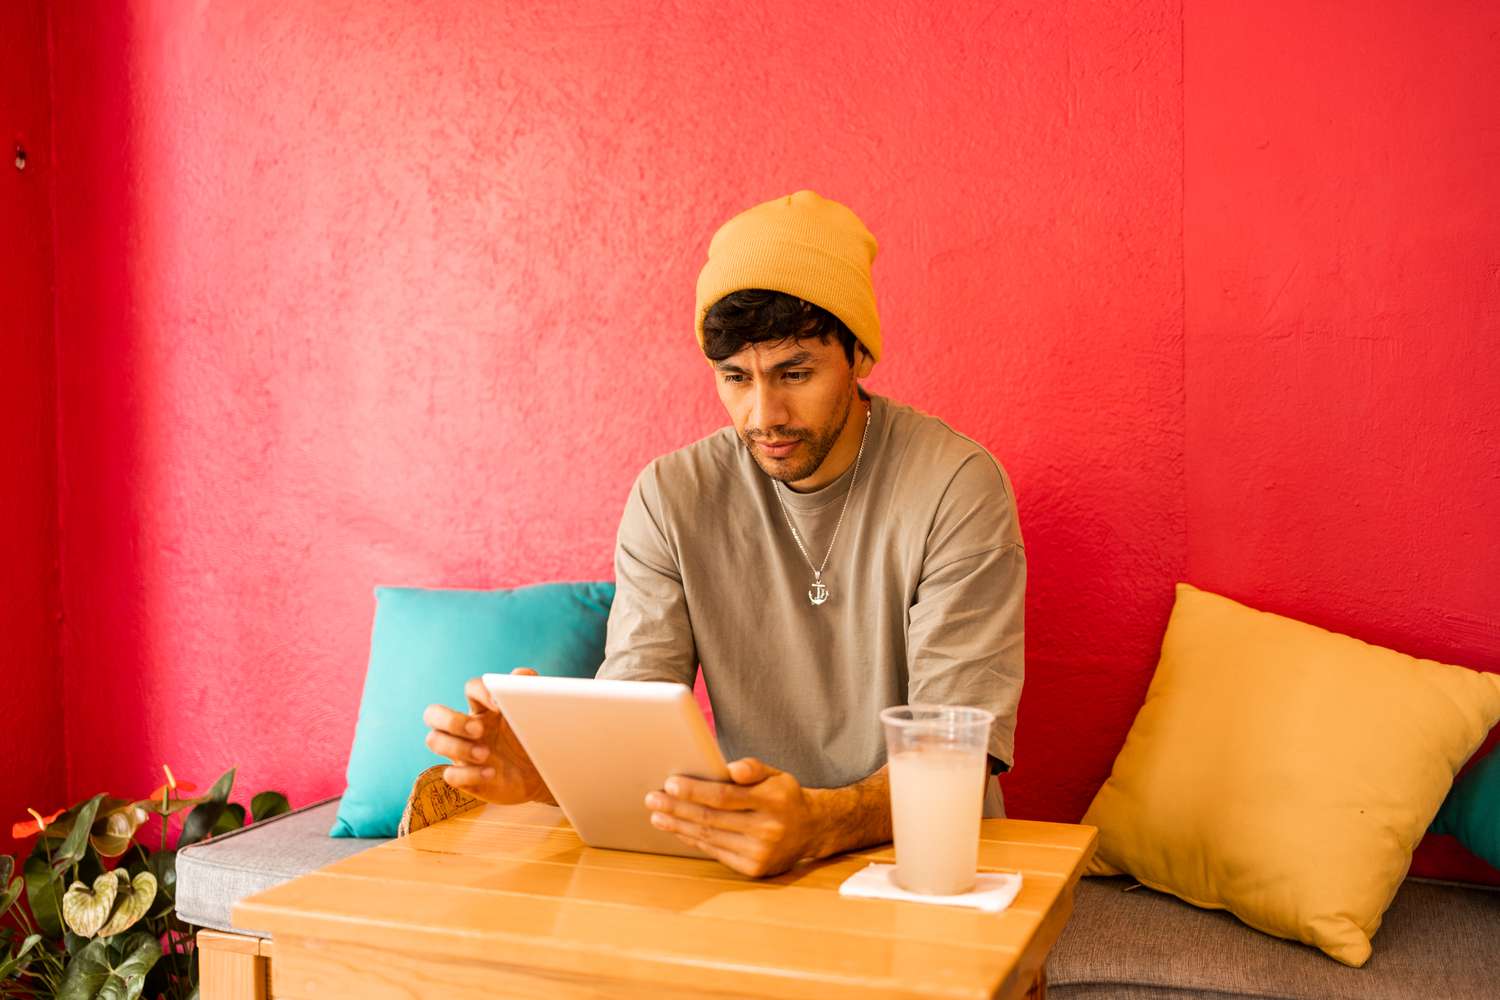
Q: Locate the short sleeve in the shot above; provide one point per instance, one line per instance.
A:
(650, 637)
(966, 637)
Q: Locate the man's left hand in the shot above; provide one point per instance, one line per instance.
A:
(761, 824)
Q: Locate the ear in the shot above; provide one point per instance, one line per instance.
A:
(863, 363)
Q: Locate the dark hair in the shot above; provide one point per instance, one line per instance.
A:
(757, 316)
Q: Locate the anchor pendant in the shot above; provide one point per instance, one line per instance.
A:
(817, 593)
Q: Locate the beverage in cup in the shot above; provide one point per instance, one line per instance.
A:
(937, 774)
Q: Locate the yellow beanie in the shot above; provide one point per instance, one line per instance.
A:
(803, 245)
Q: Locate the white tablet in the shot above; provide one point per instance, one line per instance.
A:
(602, 745)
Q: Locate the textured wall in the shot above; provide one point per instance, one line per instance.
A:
(31, 716)
(379, 293)
(388, 292)
(1342, 249)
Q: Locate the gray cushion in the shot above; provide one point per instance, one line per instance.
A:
(212, 876)
(1436, 941)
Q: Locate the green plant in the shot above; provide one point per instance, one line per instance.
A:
(99, 916)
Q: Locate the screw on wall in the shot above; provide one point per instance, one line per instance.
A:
(20, 157)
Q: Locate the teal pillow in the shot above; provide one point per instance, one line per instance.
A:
(425, 645)
(1471, 812)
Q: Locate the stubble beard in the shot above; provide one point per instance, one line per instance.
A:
(818, 447)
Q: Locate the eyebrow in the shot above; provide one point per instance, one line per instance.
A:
(800, 358)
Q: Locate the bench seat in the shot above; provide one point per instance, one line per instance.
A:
(213, 875)
(1437, 940)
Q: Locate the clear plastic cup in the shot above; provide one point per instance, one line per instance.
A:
(937, 759)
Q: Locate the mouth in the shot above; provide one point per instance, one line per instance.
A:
(775, 449)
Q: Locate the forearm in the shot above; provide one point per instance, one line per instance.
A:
(855, 816)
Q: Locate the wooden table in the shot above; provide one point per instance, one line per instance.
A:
(508, 902)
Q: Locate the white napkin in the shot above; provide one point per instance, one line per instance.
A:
(992, 892)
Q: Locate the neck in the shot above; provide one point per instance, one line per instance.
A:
(842, 455)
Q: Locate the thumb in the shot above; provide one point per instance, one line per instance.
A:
(749, 771)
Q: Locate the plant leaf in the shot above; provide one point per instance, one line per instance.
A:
(132, 900)
(15, 964)
(10, 891)
(59, 828)
(72, 943)
(44, 893)
(163, 865)
(205, 815)
(77, 842)
(268, 804)
(219, 790)
(110, 968)
(172, 807)
(232, 818)
(11, 894)
(86, 909)
(115, 826)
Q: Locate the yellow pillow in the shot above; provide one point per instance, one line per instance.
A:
(1285, 773)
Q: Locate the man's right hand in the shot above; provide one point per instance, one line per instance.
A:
(489, 762)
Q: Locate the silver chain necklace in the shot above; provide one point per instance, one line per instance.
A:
(818, 592)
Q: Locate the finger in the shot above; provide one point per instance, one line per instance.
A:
(446, 720)
(736, 862)
(729, 859)
(468, 777)
(479, 696)
(455, 749)
(724, 840)
(715, 794)
(722, 819)
(749, 771)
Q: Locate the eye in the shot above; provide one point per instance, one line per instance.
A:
(798, 376)
(733, 378)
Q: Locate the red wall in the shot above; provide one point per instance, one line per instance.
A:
(378, 293)
(31, 709)
(1342, 250)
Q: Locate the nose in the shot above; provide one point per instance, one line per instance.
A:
(767, 409)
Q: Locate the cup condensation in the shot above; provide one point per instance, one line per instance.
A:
(937, 756)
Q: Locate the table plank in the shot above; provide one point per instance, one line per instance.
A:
(317, 972)
(462, 835)
(784, 904)
(1036, 833)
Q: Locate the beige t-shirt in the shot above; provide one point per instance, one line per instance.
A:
(926, 585)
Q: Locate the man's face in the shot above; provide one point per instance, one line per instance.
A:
(789, 401)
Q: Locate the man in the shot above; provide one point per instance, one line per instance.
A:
(830, 554)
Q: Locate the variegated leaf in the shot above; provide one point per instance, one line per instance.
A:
(115, 826)
(132, 901)
(85, 910)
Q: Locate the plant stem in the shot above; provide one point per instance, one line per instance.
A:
(55, 971)
(56, 968)
(28, 991)
(19, 913)
(56, 897)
